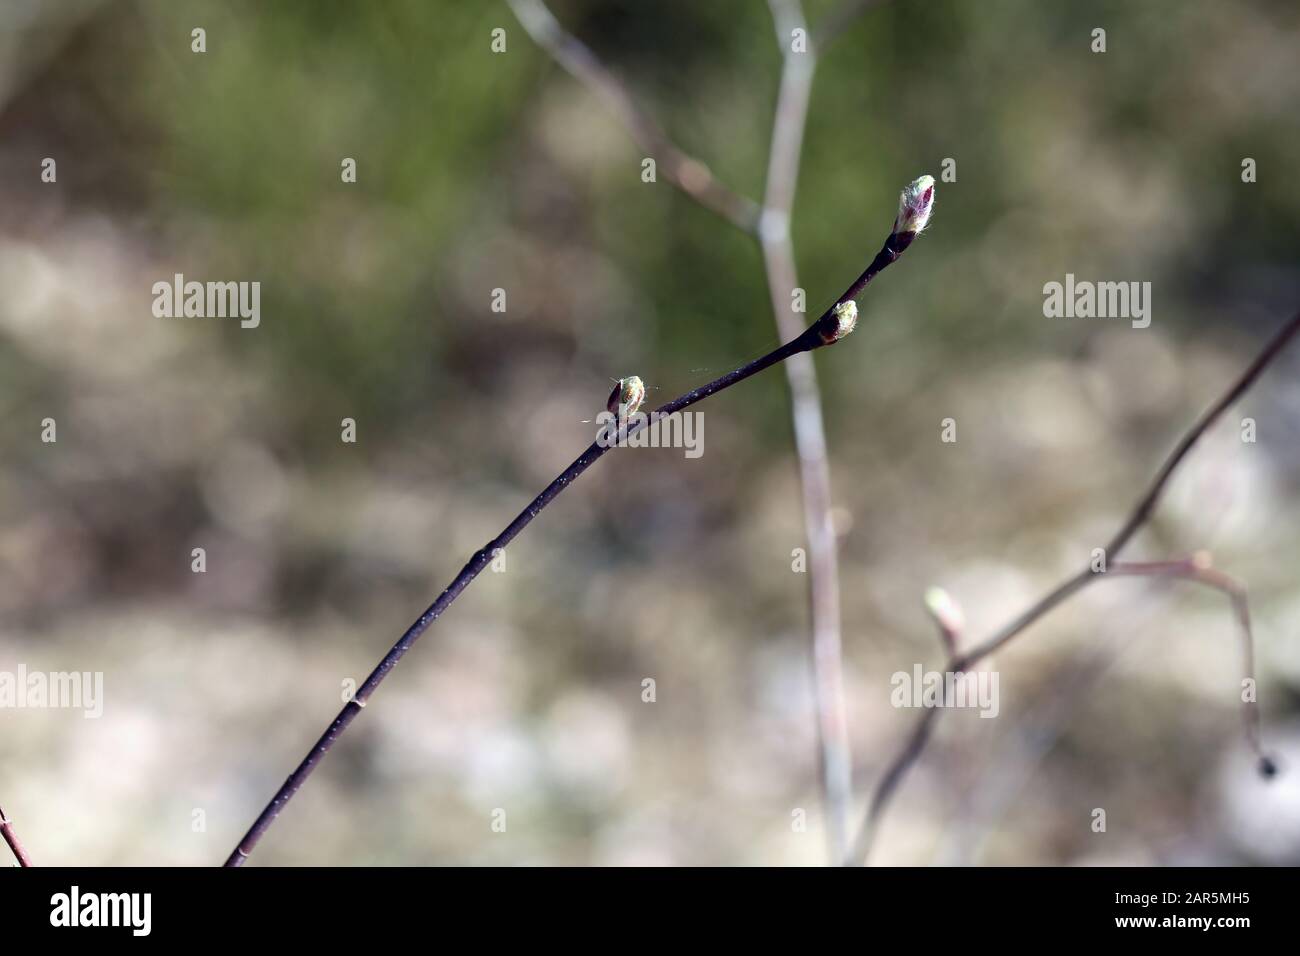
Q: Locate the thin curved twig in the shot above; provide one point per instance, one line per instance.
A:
(1068, 690)
(684, 171)
(1198, 569)
(1141, 513)
(770, 225)
(836, 322)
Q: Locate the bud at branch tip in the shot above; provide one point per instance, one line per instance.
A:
(946, 612)
(915, 204)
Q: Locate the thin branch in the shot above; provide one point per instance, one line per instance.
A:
(1141, 512)
(770, 225)
(947, 616)
(790, 120)
(788, 126)
(1199, 570)
(11, 837)
(833, 325)
(1067, 689)
(1004, 774)
(684, 171)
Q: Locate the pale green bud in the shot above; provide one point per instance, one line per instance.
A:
(844, 318)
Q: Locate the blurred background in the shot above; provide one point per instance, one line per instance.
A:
(479, 170)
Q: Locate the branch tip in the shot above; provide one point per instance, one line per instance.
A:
(947, 616)
(915, 204)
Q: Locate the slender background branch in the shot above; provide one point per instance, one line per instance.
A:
(11, 837)
(788, 128)
(1198, 570)
(1042, 728)
(685, 172)
(924, 726)
(770, 225)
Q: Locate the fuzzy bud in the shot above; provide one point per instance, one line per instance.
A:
(843, 320)
(915, 204)
(626, 397)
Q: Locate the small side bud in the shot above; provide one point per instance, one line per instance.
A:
(844, 319)
(626, 397)
(947, 614)
(1267, 768)
(915, 204)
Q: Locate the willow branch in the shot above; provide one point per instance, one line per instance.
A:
(1002, 775)
(770, 225)
(1137, 518)
(11, 837)
(1069, 689)
(1198, 569)
(788, 126)
(683, 170)
(835, 323)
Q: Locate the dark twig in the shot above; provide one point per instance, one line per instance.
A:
(770, 225)
(1141, 512)
(834, 324)
(788, 125)
(11, 837)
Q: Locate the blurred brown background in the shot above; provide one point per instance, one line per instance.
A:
(479, 170)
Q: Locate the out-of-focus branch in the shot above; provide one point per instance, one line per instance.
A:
(1069, 688)
(788, 125)
(948, 618)
(11, 837)
(684, 171)
(1199, 569)
(1002, 775)
(924, 726)
(835, 323)
(770, 225)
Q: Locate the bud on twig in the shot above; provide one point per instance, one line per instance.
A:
(844, 317)
(915, 204)
(626, 397)
(947, 614)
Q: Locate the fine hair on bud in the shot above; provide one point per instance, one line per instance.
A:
(915, 204)
(844, 319)
(626, 398)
